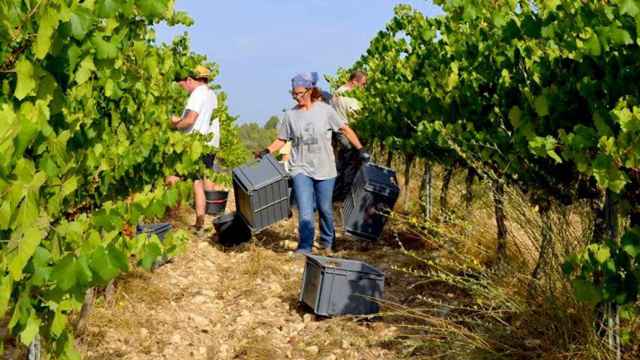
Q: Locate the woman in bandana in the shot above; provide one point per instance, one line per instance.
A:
(308, 126)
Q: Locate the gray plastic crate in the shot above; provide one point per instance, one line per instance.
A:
(262, 192)
(332, 286)
(373, 195)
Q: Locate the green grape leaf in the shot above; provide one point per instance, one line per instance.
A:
(25, 170)
(602, 254)
(171, 197)
(27, 245)
(54, 204)
(21, 310)
(614, 35)
(6, 287)
(70, 186)
(64, 273)
(550, 5)
(628, 122)
(607, 174)
(26, 81)
(592, 45)
(552, 154)
(601, 125)
(5, 215)
(629, 7)
(118, 258)
(151, 253)
(542, 146)
(87, 67)
(41, 269)
(81, 22)
(196, 150)
(631, 242)
(541, 105)
(101, 264)
(586, 292)
(59, 322)
(181, 17)
(84, 274)
(70, 352)
(109, 88)
(47, 25)
(152, 8)
(27, 212)
(515, 116)
(104, 49)
(453, 78)
(584, 138)
(107, 8)
(31, 330)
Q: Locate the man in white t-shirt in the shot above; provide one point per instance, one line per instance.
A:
(347, 106)
(347, 158)
(197, 118)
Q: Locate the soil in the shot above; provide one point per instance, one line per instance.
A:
(213, 302)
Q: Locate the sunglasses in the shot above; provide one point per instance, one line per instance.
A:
(297, 94)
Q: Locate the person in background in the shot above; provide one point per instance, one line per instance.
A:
(347, 160)
(197, 118)
(308, 126)
(347, 106)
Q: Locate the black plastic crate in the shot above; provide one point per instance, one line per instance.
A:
(231, 229)
(161, 230)
(332, 286)
(373, 195)
(262, 193)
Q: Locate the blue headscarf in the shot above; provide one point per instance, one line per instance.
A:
(306, 80)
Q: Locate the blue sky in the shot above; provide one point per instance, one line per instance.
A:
(260, 45)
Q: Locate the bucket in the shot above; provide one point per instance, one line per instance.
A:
(216, 201)
(231, 229)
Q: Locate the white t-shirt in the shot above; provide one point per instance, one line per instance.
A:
(345, 106)
(204, 101)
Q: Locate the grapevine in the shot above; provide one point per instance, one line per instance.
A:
(85, 145)
(538, 94)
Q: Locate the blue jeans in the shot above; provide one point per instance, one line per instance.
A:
(311, 193)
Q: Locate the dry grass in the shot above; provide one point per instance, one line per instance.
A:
(217, 303)
(469, 309)
(446, 297)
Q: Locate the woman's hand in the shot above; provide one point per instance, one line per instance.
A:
(260, 153)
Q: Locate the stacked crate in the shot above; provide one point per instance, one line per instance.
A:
(262, 193)
(373, 195)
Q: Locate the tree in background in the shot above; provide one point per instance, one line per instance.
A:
(257, 137)
(272, 123)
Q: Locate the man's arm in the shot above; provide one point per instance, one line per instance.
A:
(351, 136)
(186, 121)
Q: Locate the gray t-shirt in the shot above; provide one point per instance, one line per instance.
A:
(310, 135)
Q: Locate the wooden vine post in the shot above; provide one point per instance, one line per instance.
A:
(426, 194)
(409, 159)
(444, 194)
(501, 220)
(468, 195)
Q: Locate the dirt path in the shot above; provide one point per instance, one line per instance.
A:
(242, 303)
